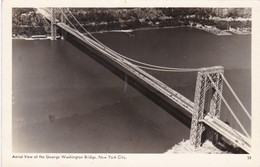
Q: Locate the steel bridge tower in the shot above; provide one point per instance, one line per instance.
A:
(54, 21)
(204, 83)
(53, 24)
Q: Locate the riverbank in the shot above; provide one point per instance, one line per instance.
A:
(186, 147)
(206, 28)
(33, 37)
(28, 22)
(212, 30)
(137, 29)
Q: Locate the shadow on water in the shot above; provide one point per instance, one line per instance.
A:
(156, 97)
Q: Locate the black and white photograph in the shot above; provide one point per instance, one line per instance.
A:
(91, 83)
(131, 80)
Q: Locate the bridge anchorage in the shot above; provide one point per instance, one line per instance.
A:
(208, 90)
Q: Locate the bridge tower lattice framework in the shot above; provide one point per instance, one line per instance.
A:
(204, 83)
(54, 14)
(53, 24)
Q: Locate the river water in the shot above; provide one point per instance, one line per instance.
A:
(65, 102)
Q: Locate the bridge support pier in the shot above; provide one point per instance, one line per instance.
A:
(53, 24)
(203, 84)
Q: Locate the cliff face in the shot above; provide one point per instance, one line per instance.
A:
(27, 22)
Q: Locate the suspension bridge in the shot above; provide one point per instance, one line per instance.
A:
(210, 78)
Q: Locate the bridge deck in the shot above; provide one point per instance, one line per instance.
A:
(231, 134)
(158, 85)
(161, 87)
(226, 131)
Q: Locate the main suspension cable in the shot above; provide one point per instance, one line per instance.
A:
(165, 70)
(68, 19)
(81, 25)
(149, 66)
(226, 103)
(235, 95)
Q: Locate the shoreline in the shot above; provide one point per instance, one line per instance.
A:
(209, 29)
(184, 147)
